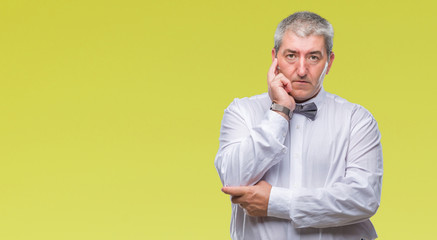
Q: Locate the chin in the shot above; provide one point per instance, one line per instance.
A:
(300, 97)
(303, 95)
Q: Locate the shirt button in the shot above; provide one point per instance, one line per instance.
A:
(284, 150)
(298, 126)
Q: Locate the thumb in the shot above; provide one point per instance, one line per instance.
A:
(234, 191)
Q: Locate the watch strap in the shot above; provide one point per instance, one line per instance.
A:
(280, 108)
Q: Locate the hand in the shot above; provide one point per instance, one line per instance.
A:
(254, 199)
(279, 87)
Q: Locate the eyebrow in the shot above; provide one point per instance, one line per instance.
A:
(316, 52)
(312, 52)
(289, 50)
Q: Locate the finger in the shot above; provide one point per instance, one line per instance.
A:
(234, 191)
(261, 183)
(272, 70)
(237, 200)
(286, 84)
(276, 81)
(282, 81)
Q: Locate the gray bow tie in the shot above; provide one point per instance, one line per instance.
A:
(308, 110)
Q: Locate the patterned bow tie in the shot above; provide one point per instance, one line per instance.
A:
(308, 110)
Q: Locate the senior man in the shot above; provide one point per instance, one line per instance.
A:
(299, 162)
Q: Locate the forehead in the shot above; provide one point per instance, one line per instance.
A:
(311, 43)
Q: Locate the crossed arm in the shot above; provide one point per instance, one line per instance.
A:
(254, 199)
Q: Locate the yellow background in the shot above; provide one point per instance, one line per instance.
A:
(110, 110)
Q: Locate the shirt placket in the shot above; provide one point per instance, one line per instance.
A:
(296, 141)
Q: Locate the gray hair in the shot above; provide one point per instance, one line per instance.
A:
(304, 24)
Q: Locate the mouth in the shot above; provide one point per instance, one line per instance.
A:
(299, 81)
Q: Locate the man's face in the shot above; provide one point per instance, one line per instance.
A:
(303, 60)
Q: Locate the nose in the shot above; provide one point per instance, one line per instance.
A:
(302, 68)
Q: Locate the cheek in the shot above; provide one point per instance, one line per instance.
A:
(286, 69)
(315, 75)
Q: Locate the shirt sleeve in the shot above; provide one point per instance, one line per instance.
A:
(352, 198)
(246, 152)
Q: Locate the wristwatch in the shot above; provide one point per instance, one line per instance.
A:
(282, 109)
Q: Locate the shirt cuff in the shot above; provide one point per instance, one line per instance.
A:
(278, 125)
(279, 203)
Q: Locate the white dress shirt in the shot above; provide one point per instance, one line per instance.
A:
(325, 174)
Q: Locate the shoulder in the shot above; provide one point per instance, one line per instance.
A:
(342, 105)
(250, 104)
(355, 114)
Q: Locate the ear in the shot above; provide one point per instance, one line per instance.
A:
(273, 54)
(331, 59)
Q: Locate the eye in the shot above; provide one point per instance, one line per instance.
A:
(291, 56)
(314, 58)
